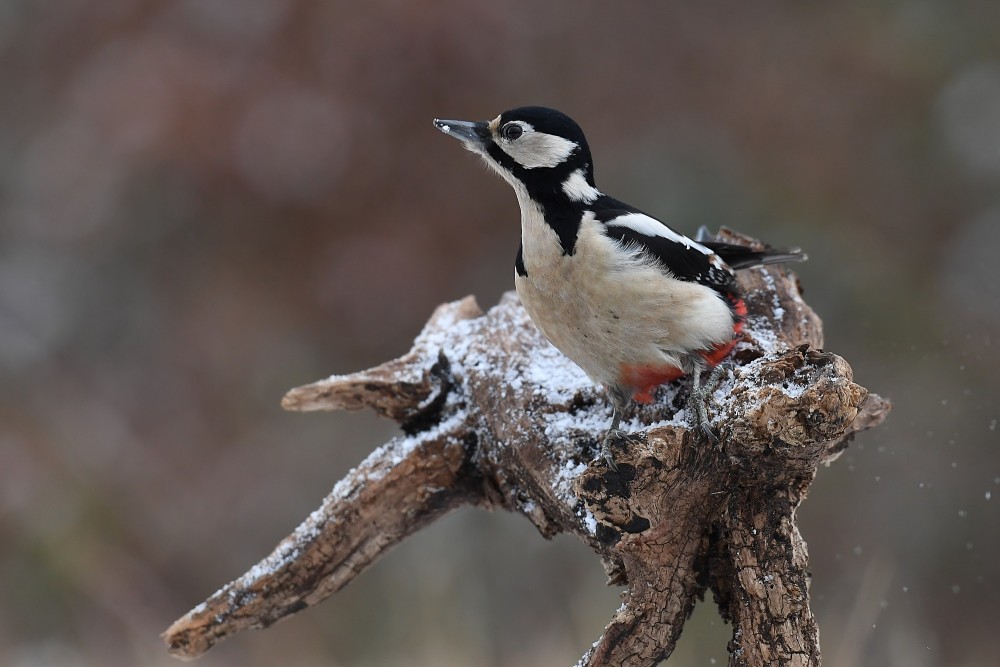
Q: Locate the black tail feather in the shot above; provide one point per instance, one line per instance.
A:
(742, 257)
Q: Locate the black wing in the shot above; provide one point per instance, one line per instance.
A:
(681, 256)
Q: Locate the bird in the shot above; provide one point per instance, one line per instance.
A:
(630, 300)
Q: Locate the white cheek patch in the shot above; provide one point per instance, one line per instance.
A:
(537, 149)
(577, 188)
(644, 224)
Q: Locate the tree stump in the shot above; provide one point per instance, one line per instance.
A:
(496, 417)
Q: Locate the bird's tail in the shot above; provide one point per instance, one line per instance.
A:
(742, 257)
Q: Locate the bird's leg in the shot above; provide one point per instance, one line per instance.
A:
(698, 401)
(619, 401)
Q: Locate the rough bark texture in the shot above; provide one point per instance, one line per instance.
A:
(494, 416)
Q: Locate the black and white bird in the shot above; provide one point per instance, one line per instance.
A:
(634, 303)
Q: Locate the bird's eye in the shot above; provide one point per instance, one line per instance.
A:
(511, 131)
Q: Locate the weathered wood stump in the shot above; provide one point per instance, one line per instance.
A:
(494, 416)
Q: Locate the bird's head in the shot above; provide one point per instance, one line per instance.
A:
(538, 149)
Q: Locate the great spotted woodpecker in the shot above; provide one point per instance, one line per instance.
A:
(634, 303)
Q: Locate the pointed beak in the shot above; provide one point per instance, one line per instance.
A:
(472, 134)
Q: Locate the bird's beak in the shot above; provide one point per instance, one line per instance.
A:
(472, 134)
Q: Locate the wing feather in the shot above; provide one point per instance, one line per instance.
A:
(683, 257)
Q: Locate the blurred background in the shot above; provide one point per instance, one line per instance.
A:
(206, 202)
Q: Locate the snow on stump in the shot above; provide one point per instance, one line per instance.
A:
(494, 416)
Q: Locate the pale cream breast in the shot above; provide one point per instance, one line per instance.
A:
(605, 307)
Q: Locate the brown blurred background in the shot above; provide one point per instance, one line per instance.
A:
(206, 202)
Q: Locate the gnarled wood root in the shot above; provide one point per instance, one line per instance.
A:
(494, 416)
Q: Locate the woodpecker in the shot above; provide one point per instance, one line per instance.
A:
(630, 300)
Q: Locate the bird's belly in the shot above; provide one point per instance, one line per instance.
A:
(614, 324)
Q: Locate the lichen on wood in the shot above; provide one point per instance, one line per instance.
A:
(494, 416)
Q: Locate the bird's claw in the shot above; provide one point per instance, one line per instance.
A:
(709, 434)
(698, 403)
(613, 435)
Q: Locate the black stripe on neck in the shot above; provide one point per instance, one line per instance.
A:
(544, 186)
(565, 221)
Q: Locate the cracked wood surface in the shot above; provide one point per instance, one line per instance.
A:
(494, 416)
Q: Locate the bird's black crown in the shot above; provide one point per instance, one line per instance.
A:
(556, 123)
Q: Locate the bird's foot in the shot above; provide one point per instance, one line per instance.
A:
(613, 436)
(698, 403)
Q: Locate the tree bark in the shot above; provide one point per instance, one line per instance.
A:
(494, 416)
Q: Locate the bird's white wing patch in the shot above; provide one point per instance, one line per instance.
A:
(643, 224)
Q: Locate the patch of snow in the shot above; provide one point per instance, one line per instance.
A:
(565, 476)
(778, 311)
(793, 390)
(558, 379)
(595, 420)
(763, 334)
(449, 334)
